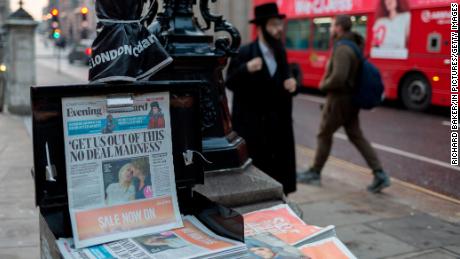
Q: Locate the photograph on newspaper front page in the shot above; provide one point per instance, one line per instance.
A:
(119, 167)
(268, 246)
(160, 242)
(126, 180)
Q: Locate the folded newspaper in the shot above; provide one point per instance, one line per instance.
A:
(278, 232)
(268, 246)
(194, 240)
(327, 248)
(283, 223)
(119, 167)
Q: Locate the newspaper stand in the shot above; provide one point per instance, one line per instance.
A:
(49, 170)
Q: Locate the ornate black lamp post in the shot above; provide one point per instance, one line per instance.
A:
(198, 56)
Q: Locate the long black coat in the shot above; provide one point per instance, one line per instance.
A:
(262, 115)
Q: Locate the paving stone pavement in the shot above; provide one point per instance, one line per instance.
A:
(18, 215)
(19, 237)
(401, 222)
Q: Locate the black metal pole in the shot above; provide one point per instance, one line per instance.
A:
(199, 56)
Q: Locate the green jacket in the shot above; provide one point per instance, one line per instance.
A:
(342, 68)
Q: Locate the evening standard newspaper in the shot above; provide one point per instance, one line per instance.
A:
(194, 240)
(281, 222)
(119, 163)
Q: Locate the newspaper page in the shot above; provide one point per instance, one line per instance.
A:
(283, 223)
(327, 248)
(268, 246)
(192, 241)
(119, 163)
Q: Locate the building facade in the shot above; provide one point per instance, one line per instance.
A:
(4, 10)
(4, 13)
(238, 12)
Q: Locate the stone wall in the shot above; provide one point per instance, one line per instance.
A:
(238, 12)
(20, 60)
(4, 12)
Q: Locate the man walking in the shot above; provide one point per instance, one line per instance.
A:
(339, 83)
(262, 102)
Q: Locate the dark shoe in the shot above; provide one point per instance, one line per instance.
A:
(310, 176)
(381, 181)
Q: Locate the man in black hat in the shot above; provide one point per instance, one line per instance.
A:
(262, 102)
(156, 117)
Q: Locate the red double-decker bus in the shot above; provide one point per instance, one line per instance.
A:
(408, 40)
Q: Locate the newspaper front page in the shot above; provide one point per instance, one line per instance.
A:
(119, 167)
(194, 240)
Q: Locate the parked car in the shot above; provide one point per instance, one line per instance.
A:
(81, 52)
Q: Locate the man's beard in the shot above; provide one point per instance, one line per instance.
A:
(276, 45)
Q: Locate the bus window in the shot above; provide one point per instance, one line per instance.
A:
(434, 42)
(360, 25)
(298, 34)
(321, 34)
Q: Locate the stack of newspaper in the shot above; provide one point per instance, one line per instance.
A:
(123, 201)
(121, 183)
(277, 232)
(194, 240)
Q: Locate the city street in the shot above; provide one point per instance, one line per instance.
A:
(403, 222)
(413, 147)
(52, 61)
(94, 163)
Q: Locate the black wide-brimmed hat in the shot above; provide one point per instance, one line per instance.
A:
(266, 11)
